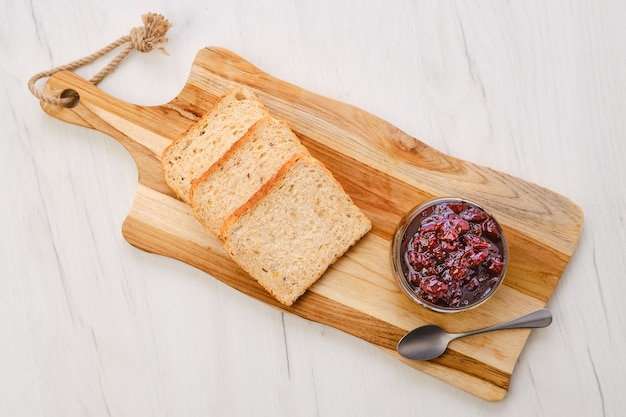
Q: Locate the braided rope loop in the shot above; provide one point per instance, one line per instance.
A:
(143, 39)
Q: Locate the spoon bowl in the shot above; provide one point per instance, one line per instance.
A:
(431, 341)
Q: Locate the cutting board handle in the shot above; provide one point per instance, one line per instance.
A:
(143, 130)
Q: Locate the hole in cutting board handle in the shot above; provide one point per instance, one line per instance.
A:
(71, 93)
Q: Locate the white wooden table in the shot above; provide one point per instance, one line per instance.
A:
(89, 325)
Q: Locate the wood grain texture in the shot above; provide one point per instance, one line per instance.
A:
(386, 172)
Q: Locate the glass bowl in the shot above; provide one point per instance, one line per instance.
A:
(449, 255)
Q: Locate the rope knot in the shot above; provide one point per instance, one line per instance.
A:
(145, 38)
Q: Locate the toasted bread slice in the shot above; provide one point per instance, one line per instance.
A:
(289, 233)
(242, 171)
(203, 144)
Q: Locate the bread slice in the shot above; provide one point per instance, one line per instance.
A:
(203, 144)
(242, 171)
(294, 228)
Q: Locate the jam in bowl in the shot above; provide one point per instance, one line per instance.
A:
(449, 254)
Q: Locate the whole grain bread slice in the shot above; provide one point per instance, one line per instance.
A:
(296, 226)
(242, 171)
(204, 143)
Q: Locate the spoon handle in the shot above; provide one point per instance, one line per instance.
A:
(534, 319)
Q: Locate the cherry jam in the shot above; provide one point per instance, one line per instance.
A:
(453, 254)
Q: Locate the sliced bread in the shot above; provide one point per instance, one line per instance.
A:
(242, 171)
(203, 144)
(294, 228)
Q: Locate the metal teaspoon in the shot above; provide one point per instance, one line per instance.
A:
(431, 341)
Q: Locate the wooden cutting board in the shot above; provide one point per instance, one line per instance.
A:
(386, 172)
